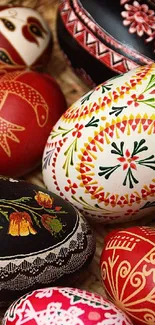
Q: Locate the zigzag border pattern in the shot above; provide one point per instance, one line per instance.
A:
(91, 44)
(84, 15)
(78, 112)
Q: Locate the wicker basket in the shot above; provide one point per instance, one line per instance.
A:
(73, 88)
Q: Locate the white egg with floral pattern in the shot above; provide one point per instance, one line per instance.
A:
(100, 155)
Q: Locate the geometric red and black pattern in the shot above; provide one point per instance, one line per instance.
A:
(92, 44)
(87, 40)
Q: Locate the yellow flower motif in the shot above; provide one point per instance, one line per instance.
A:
(44, 199)
(20, 224)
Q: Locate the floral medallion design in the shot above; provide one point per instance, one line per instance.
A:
(104, 144)
(140, 19)
(127, 270)
(57, 306)
(45, 238)
(129, 162)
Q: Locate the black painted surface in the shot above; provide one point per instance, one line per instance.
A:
(43, 239)
(107, 14)
(33, 261)
(80, 58)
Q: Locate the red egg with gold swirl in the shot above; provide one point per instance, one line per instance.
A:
(128, 272)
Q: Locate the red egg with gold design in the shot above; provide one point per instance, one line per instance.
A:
(25, 38)
(30, 104)
(128, 272)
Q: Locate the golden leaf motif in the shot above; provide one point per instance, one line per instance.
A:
(7, 130)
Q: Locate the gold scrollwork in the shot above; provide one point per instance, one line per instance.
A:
(124, 269)
(149, 317)
(151, 258)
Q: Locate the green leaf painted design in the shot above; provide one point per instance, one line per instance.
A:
(22, 205)
(47, 158)
(61, 131)
(89, 207)
(130, 178)
(106, 88)
(53, 225)
(93, 122)
(138, 147)
(36, 219)
(150, 102)
(117, 110)
(86, 98)
(21, 199)
(128, 161)
(118, 151)
(147, 162)
(107, 171)
(151, 84)
(148, 205)
(53, 211)
(69, 153)
(5, 214)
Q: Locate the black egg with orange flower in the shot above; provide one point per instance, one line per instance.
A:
(45, 240)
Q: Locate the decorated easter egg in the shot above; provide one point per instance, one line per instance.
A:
(64, 305)
(100, 155)
(127, 270)
(30, 104)
(44, 240)
(104, 38)
(25, 38)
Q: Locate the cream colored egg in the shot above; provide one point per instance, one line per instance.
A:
(101, 154)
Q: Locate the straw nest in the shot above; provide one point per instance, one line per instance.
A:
(73, 88)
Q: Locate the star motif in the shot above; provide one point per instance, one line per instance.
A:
(7, 130)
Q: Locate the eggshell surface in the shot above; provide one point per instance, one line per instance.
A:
(127, 270)
(44, 240)
(100, 155)
(67, 306)
(25, 38)
(30, 104)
